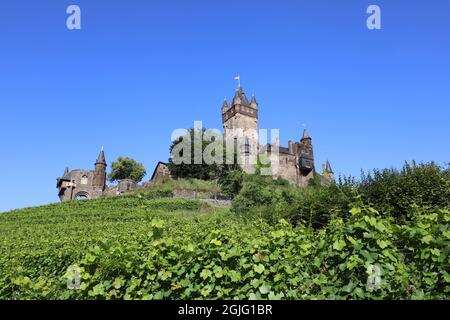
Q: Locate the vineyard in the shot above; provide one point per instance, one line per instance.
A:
(151, 246)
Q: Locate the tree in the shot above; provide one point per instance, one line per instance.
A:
(231, 182)
(127, 168)
(186, 163)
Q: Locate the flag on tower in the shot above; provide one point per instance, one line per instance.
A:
(238, 78)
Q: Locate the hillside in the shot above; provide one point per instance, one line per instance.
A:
(39, 244)
(148, 245)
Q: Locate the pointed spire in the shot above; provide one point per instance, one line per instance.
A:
(101, 157)
(237, 97)
(225, 106)
(66, 171)
(254, 102)
(225, 103)
(328, 167)
(240, 97)
(305, 135)
(244, 99)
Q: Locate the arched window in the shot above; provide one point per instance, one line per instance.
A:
(81, 196)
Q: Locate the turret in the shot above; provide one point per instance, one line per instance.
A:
(99, 180)
(225, 106)
(240, 128)
(306, 137)
(328, 171)
(290, 147)
(306, 155)
(254, 103)
(237, 97)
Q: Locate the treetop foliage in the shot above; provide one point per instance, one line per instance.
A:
(127, 168)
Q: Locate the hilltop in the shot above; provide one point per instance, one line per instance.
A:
(385, 237)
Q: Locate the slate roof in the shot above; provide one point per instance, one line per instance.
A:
(306, 134)
(240, 98)
(156, 168)
(281, 149)
(328, 167)
(101, 158)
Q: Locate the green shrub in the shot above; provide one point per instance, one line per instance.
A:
(275, 199)
(350, 254)
(426, 244)
(263, 197)
(389, 191)
(395, 192)
(231, 182)
(315, 205)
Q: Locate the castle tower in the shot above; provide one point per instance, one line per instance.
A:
(240, 127)
(328, 172)
(99, 178)
(306, 154)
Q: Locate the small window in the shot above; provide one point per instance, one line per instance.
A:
(247, 146)
(81, 197)
(84, 180)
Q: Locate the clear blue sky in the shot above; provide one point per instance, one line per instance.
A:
(137, 70)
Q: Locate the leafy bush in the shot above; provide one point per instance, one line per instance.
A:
(392, 192)
(314, 206)
(395, 192)
(426, 244)
(275, 199)
(231, 182)
(352, 254)
(263, 197)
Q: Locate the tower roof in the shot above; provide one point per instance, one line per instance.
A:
(236, 99)
(101, 158)
(240, 97)
(305, 135)
(328, 167)
(254, 102)
(225, 104)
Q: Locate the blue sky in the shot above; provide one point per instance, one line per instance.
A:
(137, 70)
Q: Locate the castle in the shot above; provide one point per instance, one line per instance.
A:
(294, 163)
(90, 184)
